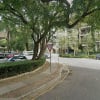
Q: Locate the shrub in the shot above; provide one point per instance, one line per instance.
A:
(82, 55)
(13, 68)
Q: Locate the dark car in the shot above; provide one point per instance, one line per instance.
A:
(2, 56)
(98, 56)
(17, 58)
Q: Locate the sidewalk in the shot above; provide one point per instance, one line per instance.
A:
(30, 85)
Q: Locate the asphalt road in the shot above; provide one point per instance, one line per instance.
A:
(82, 84)
(81, 62)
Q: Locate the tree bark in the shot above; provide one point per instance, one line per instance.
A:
(42, 48)
(26, 45)
(35, 53)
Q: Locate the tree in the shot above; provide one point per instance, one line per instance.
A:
(3, 43)
(94, 21)
(31, 14)
(42, 16)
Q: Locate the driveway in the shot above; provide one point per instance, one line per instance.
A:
(76, 62)
(81, 62)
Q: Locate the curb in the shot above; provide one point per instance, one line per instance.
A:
(49, 85)
(54, 77)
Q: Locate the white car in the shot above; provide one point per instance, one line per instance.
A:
(28, 54)
(47, 55)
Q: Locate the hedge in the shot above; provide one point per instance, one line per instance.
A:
(13, 68)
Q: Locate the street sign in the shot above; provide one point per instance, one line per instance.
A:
(50, 46)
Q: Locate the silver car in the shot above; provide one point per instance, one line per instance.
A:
(17, 58)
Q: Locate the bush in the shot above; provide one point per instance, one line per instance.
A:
(82, 55)
(13, 68)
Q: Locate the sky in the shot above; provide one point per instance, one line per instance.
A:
(70, 1)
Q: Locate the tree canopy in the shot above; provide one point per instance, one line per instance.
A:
(42, 17)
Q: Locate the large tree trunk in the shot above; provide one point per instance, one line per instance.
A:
(27, 46)
(35, 53)
(8, 41)
(42, 48)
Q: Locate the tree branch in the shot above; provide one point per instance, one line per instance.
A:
(17, 14)
(83, 16)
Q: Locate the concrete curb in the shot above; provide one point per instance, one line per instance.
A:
(49, 85)
(54, 77)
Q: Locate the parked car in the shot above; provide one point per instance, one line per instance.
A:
(17, 58)
(28, 54)
(2, 56)
(9, 55)
(98, 56)
(47, 55)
